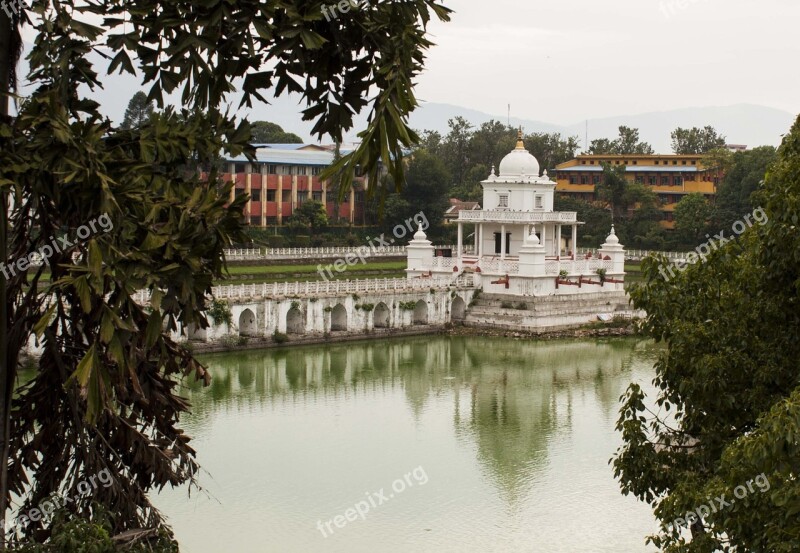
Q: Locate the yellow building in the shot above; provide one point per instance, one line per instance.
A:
(671, 177)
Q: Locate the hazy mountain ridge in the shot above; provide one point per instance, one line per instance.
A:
(748, 124)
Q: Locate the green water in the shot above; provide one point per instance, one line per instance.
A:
(452, 444)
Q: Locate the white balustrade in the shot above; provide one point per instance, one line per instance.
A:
(508, 216)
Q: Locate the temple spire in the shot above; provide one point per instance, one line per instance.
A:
(520, 142)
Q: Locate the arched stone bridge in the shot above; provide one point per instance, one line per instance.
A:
(353, 307)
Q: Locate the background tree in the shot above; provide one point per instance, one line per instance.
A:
(455, 149)
(728, 402)
(104, 392)
(627, 143)
(596, 217)
(426, 191)
(264, 132)
(696, 140)
(310, 215)
(692, 216)
(602, 146)
(634, 206)
(138, 112)
(742, 178)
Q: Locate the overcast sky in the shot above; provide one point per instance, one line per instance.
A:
(564, 61)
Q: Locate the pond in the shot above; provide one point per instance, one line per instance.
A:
(431, 444)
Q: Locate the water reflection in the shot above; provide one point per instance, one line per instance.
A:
(508, 398)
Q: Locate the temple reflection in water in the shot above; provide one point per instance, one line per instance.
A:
(508, 399)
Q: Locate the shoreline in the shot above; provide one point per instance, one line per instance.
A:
(585, 331)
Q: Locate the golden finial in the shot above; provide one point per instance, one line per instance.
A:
(520, 142)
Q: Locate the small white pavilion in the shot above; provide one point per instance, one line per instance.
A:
(518, 245)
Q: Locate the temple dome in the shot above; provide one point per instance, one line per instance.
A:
(519, 162)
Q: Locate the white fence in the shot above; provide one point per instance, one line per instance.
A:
(332, 287)
(321, 253)
(639, 254)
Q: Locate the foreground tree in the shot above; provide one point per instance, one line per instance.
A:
(104, 392)
(727, 411)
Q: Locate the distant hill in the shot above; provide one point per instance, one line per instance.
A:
(752, 125)
(740, 124)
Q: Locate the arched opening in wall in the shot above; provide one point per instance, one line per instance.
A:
(247, 323)
(196, 334)
(295, 321)
(458, 309)
(421, 313)
(380, 317)
(339, 318)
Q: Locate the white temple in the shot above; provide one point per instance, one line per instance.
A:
(519, 246)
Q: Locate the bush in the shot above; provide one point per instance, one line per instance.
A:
(507, 305)
(220, 311)
(276, 241)
(302, 241)
(77, 535)
(230, 341)
(280, 337)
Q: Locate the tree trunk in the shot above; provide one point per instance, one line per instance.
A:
(7, 370)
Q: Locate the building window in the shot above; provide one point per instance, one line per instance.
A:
(272, 169)
(664, 181)
(684, 162)
(272, 220)
(538, 203)
(635, 162)
(239, 192)
(584, 179)
(255, 220)
(689, 178)
(286, 196)
(639, 179)
(596, 179)
(674, 161)
(271, 195)
(572, 179)
(502, 201)
(656, 162)
(239, 167)
(652, 180)
(255, 194)
(317, 196)
(677, 181)
(583, 162)
(316, 170)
